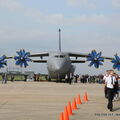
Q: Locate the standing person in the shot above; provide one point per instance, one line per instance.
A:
(38, 77)
(34, 77)
(116, 88)
(25, 76)
(119, 83)
(3, 78)
(110, 82)
(70, 78)
(104, 78)
(66, 78)
(12, 77)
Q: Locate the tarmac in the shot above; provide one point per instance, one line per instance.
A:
(46, 100)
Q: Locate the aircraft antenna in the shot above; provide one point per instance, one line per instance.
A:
(60, 40)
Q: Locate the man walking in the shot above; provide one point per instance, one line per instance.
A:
(110, 82)
(104, 79)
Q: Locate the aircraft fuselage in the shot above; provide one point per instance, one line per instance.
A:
(59, 64)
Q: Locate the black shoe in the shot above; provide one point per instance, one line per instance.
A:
(111, 109)
(108, 107)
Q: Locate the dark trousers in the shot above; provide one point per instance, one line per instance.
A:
(105, 91)
(110, 93)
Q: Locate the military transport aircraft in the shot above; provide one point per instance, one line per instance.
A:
(59, 63)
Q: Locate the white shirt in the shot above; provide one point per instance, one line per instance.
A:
(108, 81)
(66, 77)
(105, 76)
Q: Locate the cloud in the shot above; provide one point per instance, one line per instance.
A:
(55, 18)
(73, 2)
(116, 3)
(89, 4)
(44, 18)
(12, 5)
(89, 19)
(60, 19)
(16, 35)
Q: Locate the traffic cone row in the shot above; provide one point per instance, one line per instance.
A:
(69, 108)
(85, 98)
(74, 105)
(79, 100)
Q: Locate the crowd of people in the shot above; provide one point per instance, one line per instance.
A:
(111, 80)
(10, 77)
(86, 79)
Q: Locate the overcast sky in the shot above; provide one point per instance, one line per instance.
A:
(85, 24)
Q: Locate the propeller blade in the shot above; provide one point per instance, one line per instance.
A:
(22, 58)
(95, 59)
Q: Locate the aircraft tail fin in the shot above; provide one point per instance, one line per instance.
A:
(60, 40)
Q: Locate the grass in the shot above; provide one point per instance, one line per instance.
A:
(21, 78)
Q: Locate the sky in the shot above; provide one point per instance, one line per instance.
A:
(86, 25)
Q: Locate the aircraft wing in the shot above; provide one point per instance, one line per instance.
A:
(45, 54)
(108, 58)
(22, 58)
(41, 55)
(76, 55)
(78, 61)
(39, 61)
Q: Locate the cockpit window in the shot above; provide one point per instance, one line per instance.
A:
(56, 56)
(59, 56)
(62, 56)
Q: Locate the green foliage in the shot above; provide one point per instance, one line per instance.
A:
(16, 77)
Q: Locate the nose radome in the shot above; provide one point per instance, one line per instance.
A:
(58, 66)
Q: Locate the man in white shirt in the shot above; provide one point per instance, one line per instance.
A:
(110, 82)
(104, 79)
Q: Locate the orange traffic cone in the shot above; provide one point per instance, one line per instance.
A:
(61, 116)
(66, 117)
(85, 98)
(69, 109)
(79, 100)
(74, 106)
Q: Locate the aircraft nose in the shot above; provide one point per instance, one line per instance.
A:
(58, 66)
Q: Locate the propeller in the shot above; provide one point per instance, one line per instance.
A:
(95, 59)
(3, 62)
(22, 58)
(116, 62)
